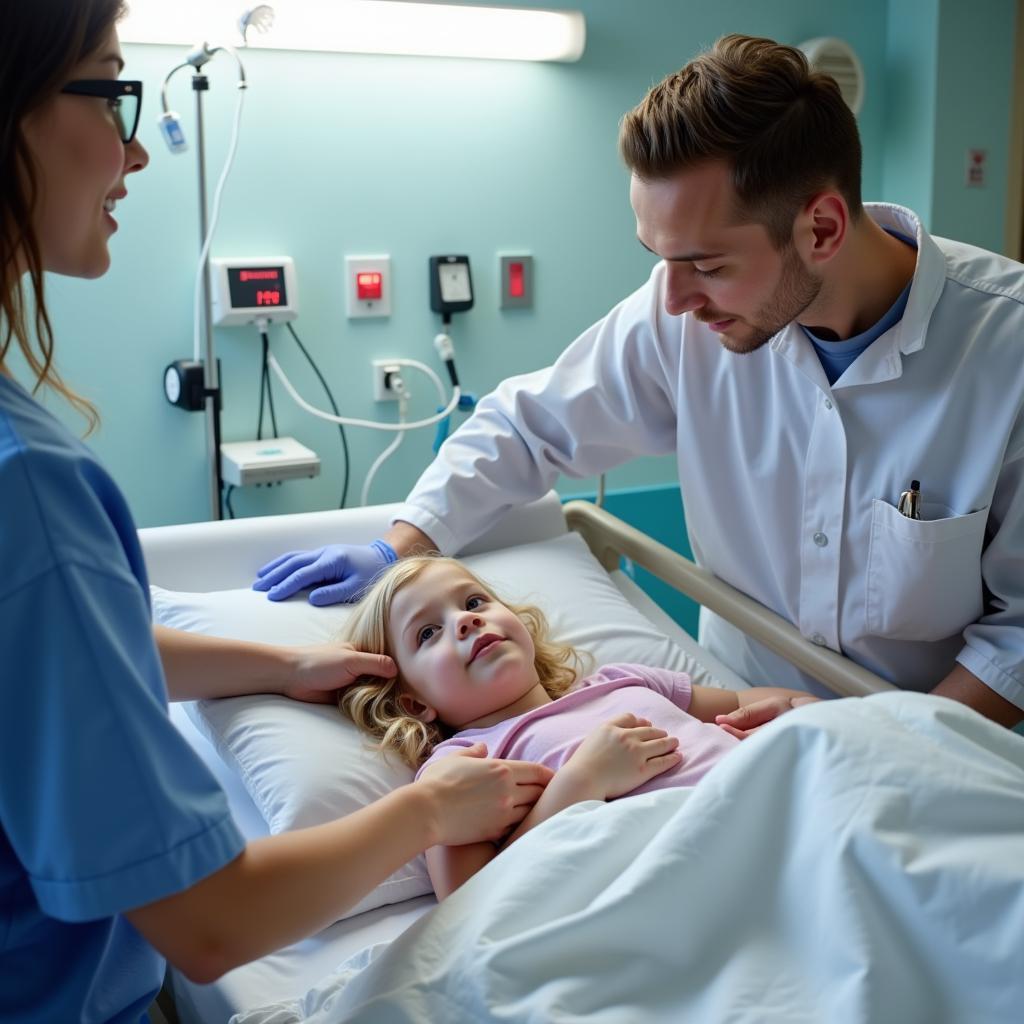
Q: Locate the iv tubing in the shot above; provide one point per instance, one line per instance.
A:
(403, 400)
(372, 424)
(201, 270)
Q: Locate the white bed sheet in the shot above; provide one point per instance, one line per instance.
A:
(210, 556)
(858, 861)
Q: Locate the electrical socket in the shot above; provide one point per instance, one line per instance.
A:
(382, 372)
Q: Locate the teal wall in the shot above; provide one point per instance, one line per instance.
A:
(975, 58)
(949, 70)
(658, 512)
(413, 156)
(911, 77)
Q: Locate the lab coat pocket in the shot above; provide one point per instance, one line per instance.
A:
(923, 575)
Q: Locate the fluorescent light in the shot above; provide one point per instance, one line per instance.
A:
(367, 26)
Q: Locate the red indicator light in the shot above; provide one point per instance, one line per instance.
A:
(369, 285)
(516, 281)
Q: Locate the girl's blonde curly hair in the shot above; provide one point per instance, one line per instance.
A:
(373, 704)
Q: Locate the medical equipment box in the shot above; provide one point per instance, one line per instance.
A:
(243, 463)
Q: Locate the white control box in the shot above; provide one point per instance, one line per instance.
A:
(243, 463)
(245, 290)
(367, 286)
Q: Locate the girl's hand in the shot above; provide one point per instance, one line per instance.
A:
(745, 721)
(622, 754)
(321, 670)
(475, 798)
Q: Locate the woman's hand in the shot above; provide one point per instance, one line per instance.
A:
(622, 754)
(476, 798)
(746, 720)
(320, 671)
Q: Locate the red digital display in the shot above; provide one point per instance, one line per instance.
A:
(369, 284)
(257, 287)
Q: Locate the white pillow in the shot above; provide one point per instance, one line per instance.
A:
(304, 764)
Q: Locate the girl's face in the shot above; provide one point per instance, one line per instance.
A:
(466, 658)
(81, 169)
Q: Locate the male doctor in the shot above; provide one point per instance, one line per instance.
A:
(806, 357)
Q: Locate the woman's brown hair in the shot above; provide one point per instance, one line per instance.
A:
(43, 40)
(784, 129)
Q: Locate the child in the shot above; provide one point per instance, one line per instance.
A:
(471, 669)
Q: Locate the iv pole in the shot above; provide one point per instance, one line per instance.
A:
(211, 376)
(204, 395)
(208, 398)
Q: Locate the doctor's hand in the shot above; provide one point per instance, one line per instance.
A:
(320, 671)
(475, 798)
(746, 720)
(346, 569)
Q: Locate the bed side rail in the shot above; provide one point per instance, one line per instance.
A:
(609, 538)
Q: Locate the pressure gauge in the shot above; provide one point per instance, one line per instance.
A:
(184, 385)
(172, 384)
(451, 285)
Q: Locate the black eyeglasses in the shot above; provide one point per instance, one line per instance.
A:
(123, 98)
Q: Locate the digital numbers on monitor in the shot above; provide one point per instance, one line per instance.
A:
(257, 287)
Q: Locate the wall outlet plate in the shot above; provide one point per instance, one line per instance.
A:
(382, 370)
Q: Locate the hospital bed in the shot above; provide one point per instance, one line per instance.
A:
(193, 567)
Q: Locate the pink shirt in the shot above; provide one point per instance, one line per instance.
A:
(550, 734)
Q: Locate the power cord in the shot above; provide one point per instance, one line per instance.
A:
(334, 406)
(266, 394)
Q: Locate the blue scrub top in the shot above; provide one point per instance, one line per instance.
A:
(837, 356)
(103, 805)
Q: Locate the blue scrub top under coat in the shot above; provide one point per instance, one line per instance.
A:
(103, 805)
(837, 356)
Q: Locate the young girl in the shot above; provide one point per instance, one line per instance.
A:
(473, 669)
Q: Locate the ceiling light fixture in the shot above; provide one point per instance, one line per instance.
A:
(370, 26)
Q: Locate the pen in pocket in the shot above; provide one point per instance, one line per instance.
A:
(910, 501)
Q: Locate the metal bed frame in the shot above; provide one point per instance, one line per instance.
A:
(610, 539)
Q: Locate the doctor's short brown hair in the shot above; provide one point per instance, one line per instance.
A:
(784, 129)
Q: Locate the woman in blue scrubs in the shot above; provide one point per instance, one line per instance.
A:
(116, 846)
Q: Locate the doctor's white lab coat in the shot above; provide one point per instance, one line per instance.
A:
(790, 485)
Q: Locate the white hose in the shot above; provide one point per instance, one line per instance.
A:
(214, 217)
(371, 424)
(403, 401)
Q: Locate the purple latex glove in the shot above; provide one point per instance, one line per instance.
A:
(347, 569)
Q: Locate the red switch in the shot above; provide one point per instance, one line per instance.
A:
(369, 284)
(516, 284)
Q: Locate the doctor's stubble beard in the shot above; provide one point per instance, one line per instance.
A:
(796, 290)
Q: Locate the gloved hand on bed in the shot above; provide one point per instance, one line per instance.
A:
(346, 569)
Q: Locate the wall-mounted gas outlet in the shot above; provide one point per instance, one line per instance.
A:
(368, 286)
(384, 373)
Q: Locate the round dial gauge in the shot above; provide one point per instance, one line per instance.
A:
(172, 384)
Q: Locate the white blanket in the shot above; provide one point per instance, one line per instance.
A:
(859, 860)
